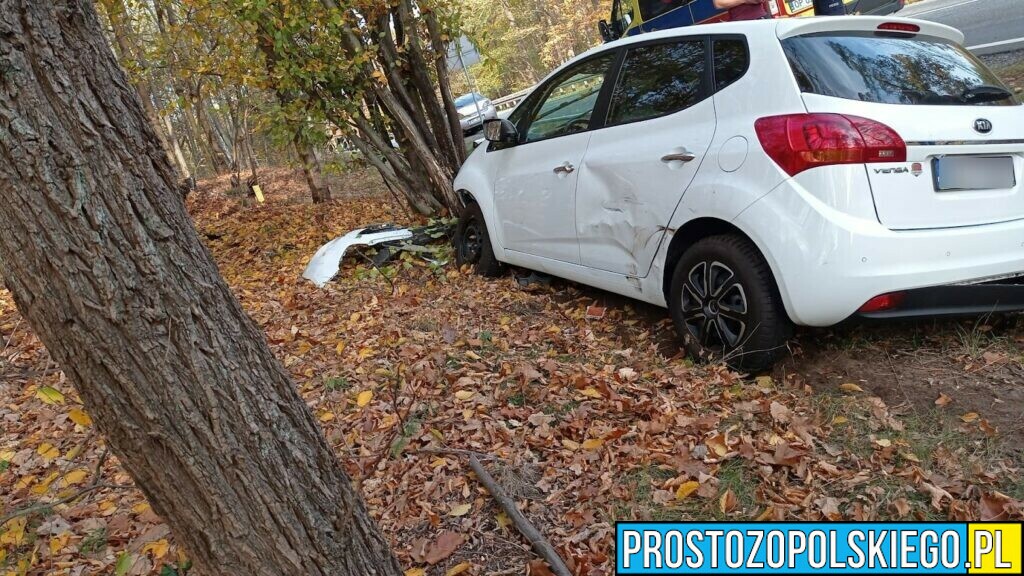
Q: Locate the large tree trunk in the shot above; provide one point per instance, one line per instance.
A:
(105, 265)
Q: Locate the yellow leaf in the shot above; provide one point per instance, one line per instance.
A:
(764, 381)
(44, 485)
(458, 569)
(7, 455)
(75, 477)
(415, 572)
(687, 488)
(79, 417)
(969, 417)
(850, 387)
(570, 444)
(158, 548)
(460, 510)
(25, 482)
(57, 543)
(364, 398)
(327, 416)
(48, 451)
(839, 420)
(464, 394)
(593, 444)
(553, 329)
(767, 514)
(591, 393)
(141, 508)
(13, 532)
(472, 355)
(502, 520)
(365, 352)
(50, 395)
(884, 442)
(340, 347)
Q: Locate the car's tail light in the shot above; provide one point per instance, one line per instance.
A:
(798, 142)
(900, 27)
(883, 302)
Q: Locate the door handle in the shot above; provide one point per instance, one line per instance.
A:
(565, 168)
(680, 156)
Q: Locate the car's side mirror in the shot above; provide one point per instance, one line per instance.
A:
(501, 131)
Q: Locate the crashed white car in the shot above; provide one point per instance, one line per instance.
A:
(753, 175)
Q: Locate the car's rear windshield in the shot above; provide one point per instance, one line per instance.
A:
(893, 69)
(467, 99)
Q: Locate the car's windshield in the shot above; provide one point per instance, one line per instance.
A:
(892, 69)
(467, 99)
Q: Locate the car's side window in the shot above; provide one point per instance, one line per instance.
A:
(569, 100)
(659, 79)
(731, 60)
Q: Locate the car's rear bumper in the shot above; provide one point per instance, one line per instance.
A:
(829, 263)
(956, 300)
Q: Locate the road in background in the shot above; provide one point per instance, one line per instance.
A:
(991, 26)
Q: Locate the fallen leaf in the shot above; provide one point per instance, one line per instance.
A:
(50, 395)
(727, 502)
(415, 572)
(458, 569)
(687, 488)
(158, 549)
(443, 546)
(591, 393)
(943, 400)
(850, 387)
(593, 444)
(595, 312)
(75, 477)
(48, 451)
(969, 417)
(80, 417)
(464, 394)
(460, 510)
(364, 398)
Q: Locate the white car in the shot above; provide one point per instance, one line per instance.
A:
(754, 175)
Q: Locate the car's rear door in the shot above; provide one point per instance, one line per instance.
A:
(535, 185)
(660, 123)
(964, 133)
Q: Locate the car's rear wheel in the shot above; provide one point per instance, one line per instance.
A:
(725, 304)
(473, 244)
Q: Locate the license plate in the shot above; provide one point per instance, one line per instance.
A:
(798, 5)
(973, 173)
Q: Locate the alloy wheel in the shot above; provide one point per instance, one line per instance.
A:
(471, 245)
(715, 309)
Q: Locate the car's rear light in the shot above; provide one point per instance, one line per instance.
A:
(883, 302)
(798, 142)
(899, 27)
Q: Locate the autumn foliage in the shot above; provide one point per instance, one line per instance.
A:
(582, 401)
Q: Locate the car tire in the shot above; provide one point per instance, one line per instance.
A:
(743, 323)
(473, 243)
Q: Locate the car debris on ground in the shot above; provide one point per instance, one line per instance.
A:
(388, 239)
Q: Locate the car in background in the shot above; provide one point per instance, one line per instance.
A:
(630, 17)
(750, 176)
(473, 110)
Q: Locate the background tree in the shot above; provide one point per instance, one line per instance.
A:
(104, 263)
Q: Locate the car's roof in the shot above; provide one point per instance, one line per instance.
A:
(783, 28)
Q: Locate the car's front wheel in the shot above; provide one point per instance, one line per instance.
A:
(473, 243)
(725, 304)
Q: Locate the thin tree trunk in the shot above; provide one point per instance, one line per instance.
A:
(319, 189)
(104, 263)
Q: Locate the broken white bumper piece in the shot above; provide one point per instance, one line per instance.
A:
(327, 260)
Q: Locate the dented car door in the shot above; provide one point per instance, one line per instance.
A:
(626, 194)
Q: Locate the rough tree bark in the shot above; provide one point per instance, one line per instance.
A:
(106, 266)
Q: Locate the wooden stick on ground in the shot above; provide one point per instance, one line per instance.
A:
(540, 544)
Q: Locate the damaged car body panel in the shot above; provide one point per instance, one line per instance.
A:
(327, 261)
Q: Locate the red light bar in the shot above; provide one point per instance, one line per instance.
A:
(883, 302)
(899, 27)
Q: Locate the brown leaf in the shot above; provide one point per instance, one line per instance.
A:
(780, 413)
(728, 502)
(445, 544)
(943, 400)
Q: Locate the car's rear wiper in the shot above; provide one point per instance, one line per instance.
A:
(985, 93)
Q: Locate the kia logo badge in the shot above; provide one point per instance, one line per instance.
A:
(982, 126)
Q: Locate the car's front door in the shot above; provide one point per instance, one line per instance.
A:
(660, 123)
(535, 187)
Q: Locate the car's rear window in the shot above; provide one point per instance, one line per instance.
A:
(892, 69)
